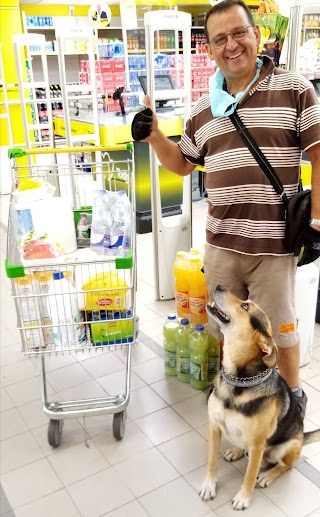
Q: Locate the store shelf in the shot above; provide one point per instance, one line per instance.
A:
(41, 29)
(55, 53)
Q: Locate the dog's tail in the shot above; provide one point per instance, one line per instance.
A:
(311, 437)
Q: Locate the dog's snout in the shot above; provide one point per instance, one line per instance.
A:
(220, 288)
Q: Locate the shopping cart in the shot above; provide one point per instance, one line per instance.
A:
(103, 286)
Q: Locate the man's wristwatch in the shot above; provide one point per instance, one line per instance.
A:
(316, 222)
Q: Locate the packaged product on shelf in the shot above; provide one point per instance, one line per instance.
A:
(29, 312)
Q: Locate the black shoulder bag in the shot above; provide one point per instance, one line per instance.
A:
(300, 239)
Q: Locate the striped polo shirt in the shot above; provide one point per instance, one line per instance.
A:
(245, 214)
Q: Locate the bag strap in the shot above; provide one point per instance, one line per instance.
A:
(260, 158)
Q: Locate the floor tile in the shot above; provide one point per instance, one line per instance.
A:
(53, 362)
(100, 493)
(11, 424)
(171, 390)
(260, 505)
(314, 381)
(194, 410)
(17, 372)
(5, 401)
(96, 425)
(286, 492)
(154, 327)
(162, 425)
(33, 414)
(163, 307)
(115, 383)
(186, 452)
(27, 391)
(68, 377)
(315, 461)
(229, 482)
(133, 443)
(53, 505)
(139, 354)
(144, 401)
(133, 509)
(30, 483)
(151, 371)
(313, 403)
(176, 499)
(85, 390)
(316, 513)
(103, 364)
(19, 451)
(146, 472)
(78, 462)
(11, 354)
(72, 434)
(310, 370)
(315, 417)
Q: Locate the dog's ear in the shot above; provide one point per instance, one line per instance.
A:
(269, 348)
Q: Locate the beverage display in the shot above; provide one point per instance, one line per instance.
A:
(181, 271)
(169, 344)
(183, 351)
(199, 343)
(214, 357)
(197, 292)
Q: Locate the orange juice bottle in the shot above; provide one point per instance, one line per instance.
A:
(198, 294)
(181, 283)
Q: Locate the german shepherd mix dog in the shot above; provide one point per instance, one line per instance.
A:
(251, 404)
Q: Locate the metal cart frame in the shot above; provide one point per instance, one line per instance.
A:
(16, 268)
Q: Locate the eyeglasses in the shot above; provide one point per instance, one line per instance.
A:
(237, 34)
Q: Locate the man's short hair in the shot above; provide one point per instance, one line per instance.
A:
(223, 6)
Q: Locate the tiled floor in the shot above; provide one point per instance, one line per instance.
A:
(157, 469)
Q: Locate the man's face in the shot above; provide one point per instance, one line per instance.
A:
(235, 58)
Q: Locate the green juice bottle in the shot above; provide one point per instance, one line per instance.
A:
(214, 357)
(199, 343)
(169, 344)
(183, 351)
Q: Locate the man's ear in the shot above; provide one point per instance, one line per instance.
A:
(270, 349)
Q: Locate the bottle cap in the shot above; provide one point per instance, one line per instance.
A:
(199, 327)
(57, 275)
(171, 317)
(184, 321)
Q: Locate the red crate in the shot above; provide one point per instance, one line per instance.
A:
(118, 65)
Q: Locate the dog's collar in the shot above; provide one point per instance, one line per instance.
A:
(246, 382)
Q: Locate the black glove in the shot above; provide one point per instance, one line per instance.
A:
(141, 125)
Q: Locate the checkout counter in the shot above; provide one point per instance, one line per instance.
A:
(116, 129)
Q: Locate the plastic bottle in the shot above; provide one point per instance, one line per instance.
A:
(83, 230)
(169, 344)
(121, 227)
(197, 292)
(199, 343)
(28, 311)
(181, 284)
(183, 351)
(214, 357)
(68, 330)
(102, 220)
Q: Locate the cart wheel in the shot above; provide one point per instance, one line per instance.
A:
(55, 432)
(119, 425)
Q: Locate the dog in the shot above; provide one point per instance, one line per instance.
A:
(250, 404)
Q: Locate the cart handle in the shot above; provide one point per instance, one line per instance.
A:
(19, 153)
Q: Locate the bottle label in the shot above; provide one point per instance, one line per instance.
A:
(182, 300)
(197, 304)
(213, 364)
(170, 359)
(199, 372)
(183, 364)
(83, 232)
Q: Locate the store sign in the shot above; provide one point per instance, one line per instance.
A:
(128, 14)
(99, 14)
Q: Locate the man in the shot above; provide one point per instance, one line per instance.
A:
(245, 224)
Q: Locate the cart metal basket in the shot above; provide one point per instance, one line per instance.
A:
(104, 286)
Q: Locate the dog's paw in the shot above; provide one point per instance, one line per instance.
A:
(208, 489)
(233, 454)
(265, 479)
(240, 502)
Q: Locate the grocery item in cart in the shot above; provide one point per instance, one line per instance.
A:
(28, 312)
(111, 327)
(69, 330)
(42, 281)
(45, 228)
(108, 291)
(111, 223)
(29, 190)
